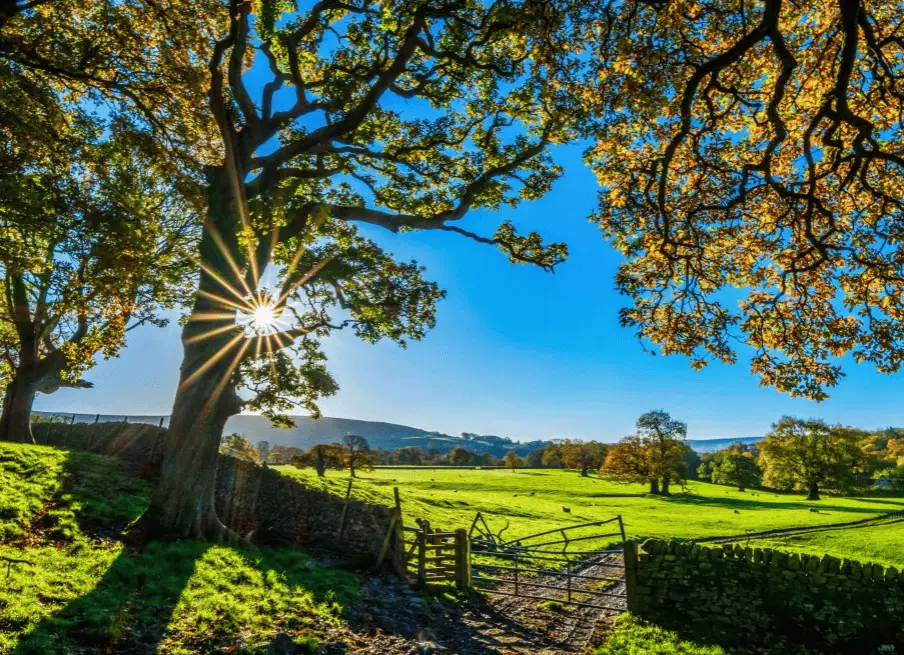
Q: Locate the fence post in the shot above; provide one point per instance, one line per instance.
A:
(462, 559)
(348, 494)
(161, 421)
(400, 562)
(630, 551)
(97, 418)
(388, 538)
(568, 578)
(422, 555)
(72, 420)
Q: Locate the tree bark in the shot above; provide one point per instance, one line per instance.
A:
(813, 491)
(665, 485)
(18, 399)
(183, 503)
(654, 486)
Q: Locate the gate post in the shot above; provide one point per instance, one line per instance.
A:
(630, 551)
(462, 559)
(422, 556)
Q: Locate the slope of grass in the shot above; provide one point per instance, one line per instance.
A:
(532, 501)
(882, 543)
(83, 591)
(631, 636)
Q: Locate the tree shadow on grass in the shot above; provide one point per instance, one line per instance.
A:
(74, 539)
(128, 609)
(200, 597)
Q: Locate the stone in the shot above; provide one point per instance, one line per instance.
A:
(282, 644)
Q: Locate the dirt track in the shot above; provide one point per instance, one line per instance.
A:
(391, 619)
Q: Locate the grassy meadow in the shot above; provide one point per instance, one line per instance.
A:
(83, 591)
(450, 498)
(882, 543)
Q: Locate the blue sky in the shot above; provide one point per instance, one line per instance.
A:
(516, 352)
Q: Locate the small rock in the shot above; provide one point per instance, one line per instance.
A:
(814, 509)
(567, 510)
(515, 495)
(736, 512)
(282, 644)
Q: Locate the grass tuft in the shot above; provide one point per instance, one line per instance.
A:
(631, 636)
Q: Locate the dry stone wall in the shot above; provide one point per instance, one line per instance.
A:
(754, 600)
(253, 500)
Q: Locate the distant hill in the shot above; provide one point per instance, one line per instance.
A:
(712, 445)
(385, 436)
(308, 432)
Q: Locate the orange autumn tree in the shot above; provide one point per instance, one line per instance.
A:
(752, 167)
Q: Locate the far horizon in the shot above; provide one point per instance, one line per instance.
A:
(154, 418)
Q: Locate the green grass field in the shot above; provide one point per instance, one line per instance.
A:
(82, 591)
(882, 543)
(449, 499)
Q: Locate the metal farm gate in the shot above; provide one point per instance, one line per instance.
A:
(581, 565)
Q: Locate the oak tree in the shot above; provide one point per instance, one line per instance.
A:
(100, 146)
(655, 454)
(752, 163)
(356, 453)
(812, 456)
(87, 254)
(460, 456)
(741, 471)
(582, 455)
(512, 461)
(321, 457)
(627, 461)
(328, 143)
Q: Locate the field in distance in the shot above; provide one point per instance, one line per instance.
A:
(449, 499)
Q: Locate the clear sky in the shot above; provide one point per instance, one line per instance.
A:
(516, 352)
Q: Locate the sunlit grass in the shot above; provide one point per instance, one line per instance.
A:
(882, 543)
(631, 636)
(532, 500)
(84, 592)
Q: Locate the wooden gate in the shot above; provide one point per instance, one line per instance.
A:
(581, 565)
(438, 556)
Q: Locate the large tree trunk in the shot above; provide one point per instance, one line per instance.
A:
(183, 503)
(665, 485)
(813, 491)
(18, 399)
(654, 486)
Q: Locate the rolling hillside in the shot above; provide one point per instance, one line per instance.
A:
(385, 436)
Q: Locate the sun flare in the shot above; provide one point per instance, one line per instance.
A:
(264, 317)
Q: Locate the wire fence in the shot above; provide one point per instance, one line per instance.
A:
(72, 418)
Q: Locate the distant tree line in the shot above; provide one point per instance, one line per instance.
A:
(808, 456)
(811, 456)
